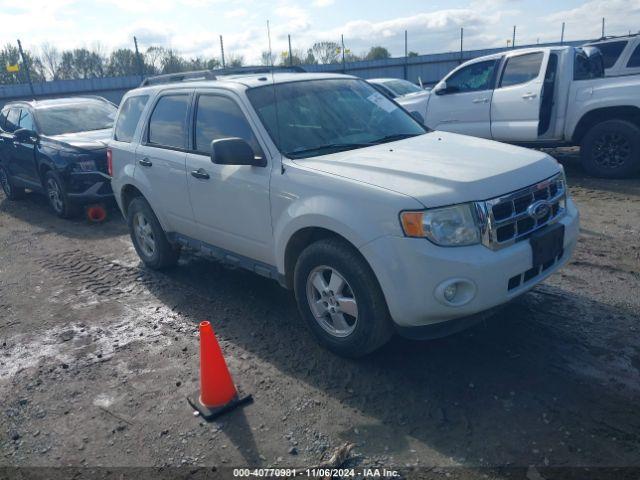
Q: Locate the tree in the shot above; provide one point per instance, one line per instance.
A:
(267, 58)
(412, 54)
(326, 52)
(377, 53)
(233, 60)
(50, 58)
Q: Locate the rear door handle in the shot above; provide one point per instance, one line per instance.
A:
(145, 162)
(201, 173)
(529, 95)
(480, 100)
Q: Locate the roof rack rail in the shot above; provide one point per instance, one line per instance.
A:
(259, 69)
(611, 37)
(178, 77)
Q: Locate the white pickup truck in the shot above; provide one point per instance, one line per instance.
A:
(545, 97)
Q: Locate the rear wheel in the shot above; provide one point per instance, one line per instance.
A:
(57, 195)
(10, 189)
(611, 149)
(148, 237)
(340, 299)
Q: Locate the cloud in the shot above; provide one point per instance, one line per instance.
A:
(323, 3)
(237, 13)
(584, 21)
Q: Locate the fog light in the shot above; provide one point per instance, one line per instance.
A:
(450, 292)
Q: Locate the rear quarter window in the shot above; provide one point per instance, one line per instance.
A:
(634, 60)
(129, 117)
(610, 51)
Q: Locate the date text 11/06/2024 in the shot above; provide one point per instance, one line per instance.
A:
(316, 472)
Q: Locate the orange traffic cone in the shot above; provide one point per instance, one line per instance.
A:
(96, 213)
(217, 394)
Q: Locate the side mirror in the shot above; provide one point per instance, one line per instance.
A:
(234, 151)
(25, 134)
(440, 89)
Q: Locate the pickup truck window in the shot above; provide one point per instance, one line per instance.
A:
(521, 69)
(610, 51)
(129, 116)
(318, 117)
(634, 60)
(167, 125)
(474, 77)
(220, 117)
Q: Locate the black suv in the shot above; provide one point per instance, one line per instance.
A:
(57, 147)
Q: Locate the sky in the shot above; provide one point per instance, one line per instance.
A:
(192, 27)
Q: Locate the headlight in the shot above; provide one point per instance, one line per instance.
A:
(453, 226)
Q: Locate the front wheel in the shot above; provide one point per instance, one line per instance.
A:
(57, 195)
(339, 297)
(148, 237)
(10, 190)
(611, 149)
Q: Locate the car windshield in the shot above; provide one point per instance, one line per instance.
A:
(78, 117)
(402, 87)
(318, 117)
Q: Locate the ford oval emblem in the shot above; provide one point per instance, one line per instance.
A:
(538, 210)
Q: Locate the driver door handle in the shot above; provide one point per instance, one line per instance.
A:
(145, 162)
(480, 100)
(201, 173)
(530, 95)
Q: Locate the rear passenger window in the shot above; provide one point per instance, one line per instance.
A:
(634, 60)
(220, 117)
(167, 122)
(3, 117)
(26, 120)
(610, 52)
(521, 69)
(13, 119)
(128, 118)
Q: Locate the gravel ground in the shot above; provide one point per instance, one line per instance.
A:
(98, 354)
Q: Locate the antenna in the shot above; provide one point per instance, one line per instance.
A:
(275, 97)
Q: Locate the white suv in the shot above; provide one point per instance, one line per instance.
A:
(322, 183)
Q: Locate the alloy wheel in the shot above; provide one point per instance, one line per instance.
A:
(144, 234)
(612, 150)
(332, 301)
(55, 195)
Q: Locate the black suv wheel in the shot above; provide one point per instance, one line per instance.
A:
(57, 195)
(339, 297)
(10, 190)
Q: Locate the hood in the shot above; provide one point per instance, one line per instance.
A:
(415, 102)
(91, 140)
(440, 168)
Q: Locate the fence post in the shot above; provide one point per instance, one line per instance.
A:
(513, 42)
(139, 59)
(406, 56)
(290, 53)
(602, 27)
(461, 43)
(26, 68)
(222, 51)
(344, 67)
(562, 35)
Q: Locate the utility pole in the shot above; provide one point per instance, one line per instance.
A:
(344, 68)
(222, 51)
(513, 42)
(562, 35)
(461, 43)
(26, 68)
(139, 59)
(290, 53)
(406, 56)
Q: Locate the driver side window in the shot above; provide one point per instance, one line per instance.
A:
(472, 78)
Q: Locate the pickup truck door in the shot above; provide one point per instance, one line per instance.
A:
(230, 203)
(461, 103)
(160, 160)
(515, 108)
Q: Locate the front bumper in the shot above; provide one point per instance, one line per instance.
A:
(89, 187)
(411, 270)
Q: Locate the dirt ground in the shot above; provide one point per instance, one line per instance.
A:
(98, 354)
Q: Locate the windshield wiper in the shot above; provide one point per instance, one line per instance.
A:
(393, 138)
(323, 148)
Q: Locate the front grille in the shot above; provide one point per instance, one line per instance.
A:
(506, 219)
(525, 277)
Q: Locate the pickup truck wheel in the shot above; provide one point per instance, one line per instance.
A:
(340, 299)
(611, 149)
(10, 190)
(148, 237)
(57, 196)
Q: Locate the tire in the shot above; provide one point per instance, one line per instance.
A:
(57, 195)
(11, 191)
(611, 149)
(149, 238)
(342, 332)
